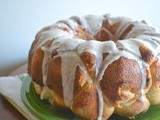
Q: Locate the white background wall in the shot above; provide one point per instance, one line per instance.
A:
(20, 20)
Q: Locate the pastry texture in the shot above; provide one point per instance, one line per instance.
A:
(97, 65)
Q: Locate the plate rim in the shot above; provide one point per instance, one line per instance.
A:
(27, 85)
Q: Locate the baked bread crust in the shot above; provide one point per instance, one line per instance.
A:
(97, 65)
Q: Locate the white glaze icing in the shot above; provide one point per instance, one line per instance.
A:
(101, 102)
(94, 23)
(93, 48)
(69, 49)
(68, 68)
(143, 96)
(125, 22)
(71, 24)
(81, 20)
(46, 59)
(131, 45)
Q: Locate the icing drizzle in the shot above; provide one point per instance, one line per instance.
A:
(69, 49)
(68, 68)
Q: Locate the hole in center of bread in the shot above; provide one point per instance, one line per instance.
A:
(106, 32)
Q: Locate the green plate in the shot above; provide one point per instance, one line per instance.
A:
(44, 111)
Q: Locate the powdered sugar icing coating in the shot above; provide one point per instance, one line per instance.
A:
(63, 42)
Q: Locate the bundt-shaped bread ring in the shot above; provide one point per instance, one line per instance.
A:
(97, 65)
